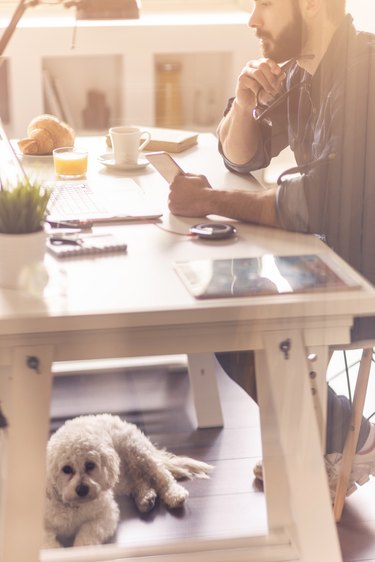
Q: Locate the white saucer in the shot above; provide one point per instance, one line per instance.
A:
(108, 160)
(34, 156)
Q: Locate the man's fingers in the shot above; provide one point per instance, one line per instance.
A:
(269, 81)
(274, 67)
(267, 74)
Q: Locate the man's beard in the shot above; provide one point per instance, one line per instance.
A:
(288, 44)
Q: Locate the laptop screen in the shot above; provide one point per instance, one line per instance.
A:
(11, 169)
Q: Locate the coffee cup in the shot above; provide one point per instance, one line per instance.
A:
(127, 143)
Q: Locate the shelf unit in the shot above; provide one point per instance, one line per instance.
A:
(119, 58)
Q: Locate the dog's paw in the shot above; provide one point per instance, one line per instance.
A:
(175, 496)
(87, 541)
(146, 501)
(50, 541)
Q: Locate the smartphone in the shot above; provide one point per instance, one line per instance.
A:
(164, 164)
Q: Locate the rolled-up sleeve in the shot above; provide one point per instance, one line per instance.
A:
(258, 161)
(271, 141)
(291, 205)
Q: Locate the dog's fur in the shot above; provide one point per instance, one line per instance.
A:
(91, 458)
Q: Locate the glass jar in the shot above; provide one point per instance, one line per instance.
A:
(168, 95)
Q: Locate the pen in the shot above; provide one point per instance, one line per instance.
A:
(58, 240)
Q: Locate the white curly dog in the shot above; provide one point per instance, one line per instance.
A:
(91, 458)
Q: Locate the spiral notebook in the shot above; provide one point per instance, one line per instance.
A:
(87, 244)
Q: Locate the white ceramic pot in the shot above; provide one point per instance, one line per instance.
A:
(21, 259)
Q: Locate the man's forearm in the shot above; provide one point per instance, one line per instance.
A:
(239, 135)
(253, 207)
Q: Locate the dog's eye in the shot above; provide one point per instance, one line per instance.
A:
(67, 469)
(89, 466)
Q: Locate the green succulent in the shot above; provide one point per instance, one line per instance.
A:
(23, 207)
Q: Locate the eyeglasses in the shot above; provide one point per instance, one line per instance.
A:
(262, 111)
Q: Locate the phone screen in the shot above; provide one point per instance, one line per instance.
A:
(165, 165)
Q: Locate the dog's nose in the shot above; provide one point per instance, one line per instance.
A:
(82, 490)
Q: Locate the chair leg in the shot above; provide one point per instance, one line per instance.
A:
(353, 433)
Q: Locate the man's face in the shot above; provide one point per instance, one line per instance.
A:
(279, 26)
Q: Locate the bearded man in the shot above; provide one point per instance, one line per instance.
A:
(313, 91)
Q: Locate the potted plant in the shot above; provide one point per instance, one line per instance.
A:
(22, 236)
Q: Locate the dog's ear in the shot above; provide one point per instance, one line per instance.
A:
(49, 488)
(51, 467)
(51, 477)
(110, 463)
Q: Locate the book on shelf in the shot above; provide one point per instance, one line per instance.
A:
(264, 275)
(56, 100)
(52, 102)
(66, 113)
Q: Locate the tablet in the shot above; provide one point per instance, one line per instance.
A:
(263, 275)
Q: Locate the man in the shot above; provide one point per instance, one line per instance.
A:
(314, 91)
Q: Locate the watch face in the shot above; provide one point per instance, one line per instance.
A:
(213, 230)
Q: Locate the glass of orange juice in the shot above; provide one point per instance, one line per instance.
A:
(70, 163)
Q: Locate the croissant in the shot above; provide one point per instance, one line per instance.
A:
(45, 133)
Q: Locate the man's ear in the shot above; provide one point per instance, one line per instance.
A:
(311, 8)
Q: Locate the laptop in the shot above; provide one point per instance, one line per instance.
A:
(77, 201)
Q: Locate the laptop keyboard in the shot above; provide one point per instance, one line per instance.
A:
(69, 199)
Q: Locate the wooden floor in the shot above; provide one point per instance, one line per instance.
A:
(230, 504)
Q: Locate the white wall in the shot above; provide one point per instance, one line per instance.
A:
(363, 12)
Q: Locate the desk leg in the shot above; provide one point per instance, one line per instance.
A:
(297, 495)
(25, 394)
(318, 384)
(202, 372)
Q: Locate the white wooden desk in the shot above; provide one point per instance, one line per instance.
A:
(134, 305)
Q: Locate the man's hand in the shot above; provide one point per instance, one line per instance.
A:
(259, 81)
(189, 196)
